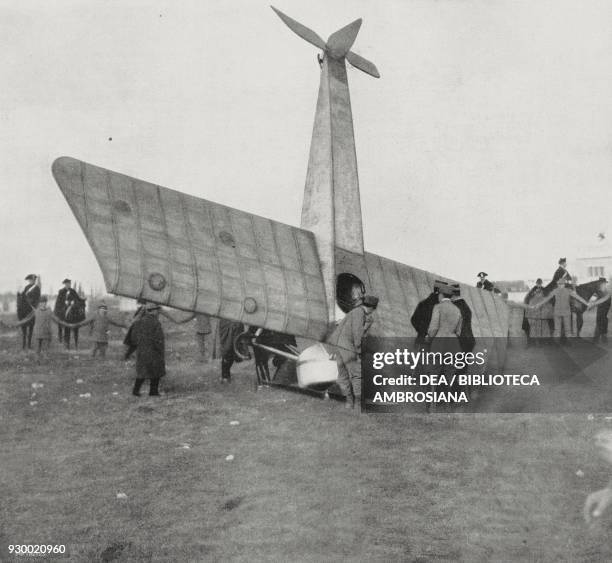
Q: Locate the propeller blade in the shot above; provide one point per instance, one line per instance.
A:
(301, 30)
(342, 40)
(362, 64)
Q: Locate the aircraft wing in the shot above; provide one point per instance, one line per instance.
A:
(196, 255)
(401, 287)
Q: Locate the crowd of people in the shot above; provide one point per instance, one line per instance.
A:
(442, 315)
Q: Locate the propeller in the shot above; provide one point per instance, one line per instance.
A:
(338, 45)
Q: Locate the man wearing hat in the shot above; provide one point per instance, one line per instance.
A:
(483, 282)
(466, 336)
(147, 339)
(27, 302)
(346, 347)
(64, 296)
(445, 321)
(560, 273)
(444, 330)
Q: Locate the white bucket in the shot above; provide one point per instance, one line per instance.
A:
(315, 368)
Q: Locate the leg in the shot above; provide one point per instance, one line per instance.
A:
(24, 332)
(40, 344)
(202, 345)
(103, 347)
(95, 350)
(344, 383)
(354, 369)
(67, 338)
(154, 387)
(558, 323)
(226, 364)
(137, 385)
(30, 331)
(579, 322)
(76, 338)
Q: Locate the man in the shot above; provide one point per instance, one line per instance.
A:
(484, 283)
(603, 306)
(445, 325)
(346, 342)
(444, 331)
(422, 316)
(562, 314)
(466, 336)
(27, 302)
(65, 296)
(146, 337)
(228, 332)
(537, 320)
(560, 273)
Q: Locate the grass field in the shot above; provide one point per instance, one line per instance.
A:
(309, 481)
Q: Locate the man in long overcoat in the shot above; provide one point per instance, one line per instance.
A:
(147, 339)
(65, 295)
(27, 302)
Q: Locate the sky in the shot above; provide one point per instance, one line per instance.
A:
(485, 144)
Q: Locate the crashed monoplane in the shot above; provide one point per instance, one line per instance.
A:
(192, 254)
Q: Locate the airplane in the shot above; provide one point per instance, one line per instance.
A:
(195, 255)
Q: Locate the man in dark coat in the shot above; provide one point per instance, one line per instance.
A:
(64, 296)
(560, 273)
(422, 317)
(147, 339)
(602, 303)
(466, 337)
(228, 332)
(27, 301)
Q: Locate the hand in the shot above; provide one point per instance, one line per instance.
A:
(596, 503)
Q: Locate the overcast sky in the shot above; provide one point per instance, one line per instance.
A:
(485, 144)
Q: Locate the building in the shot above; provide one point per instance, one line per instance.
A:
(594, 260)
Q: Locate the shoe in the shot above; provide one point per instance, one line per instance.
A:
(135, 393)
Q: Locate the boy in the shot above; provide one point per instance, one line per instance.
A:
(99, 328)
(42, 325)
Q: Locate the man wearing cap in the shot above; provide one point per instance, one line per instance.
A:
(484, 283)
(27, 302)
(147, 339)
(99, 329)
(64, 296)
(346, 347)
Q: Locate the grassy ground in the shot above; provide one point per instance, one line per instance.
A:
(308, 481)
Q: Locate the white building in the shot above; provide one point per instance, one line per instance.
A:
(594, 260)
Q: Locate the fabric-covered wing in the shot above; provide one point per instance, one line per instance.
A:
(196, 255)
(400, 288)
